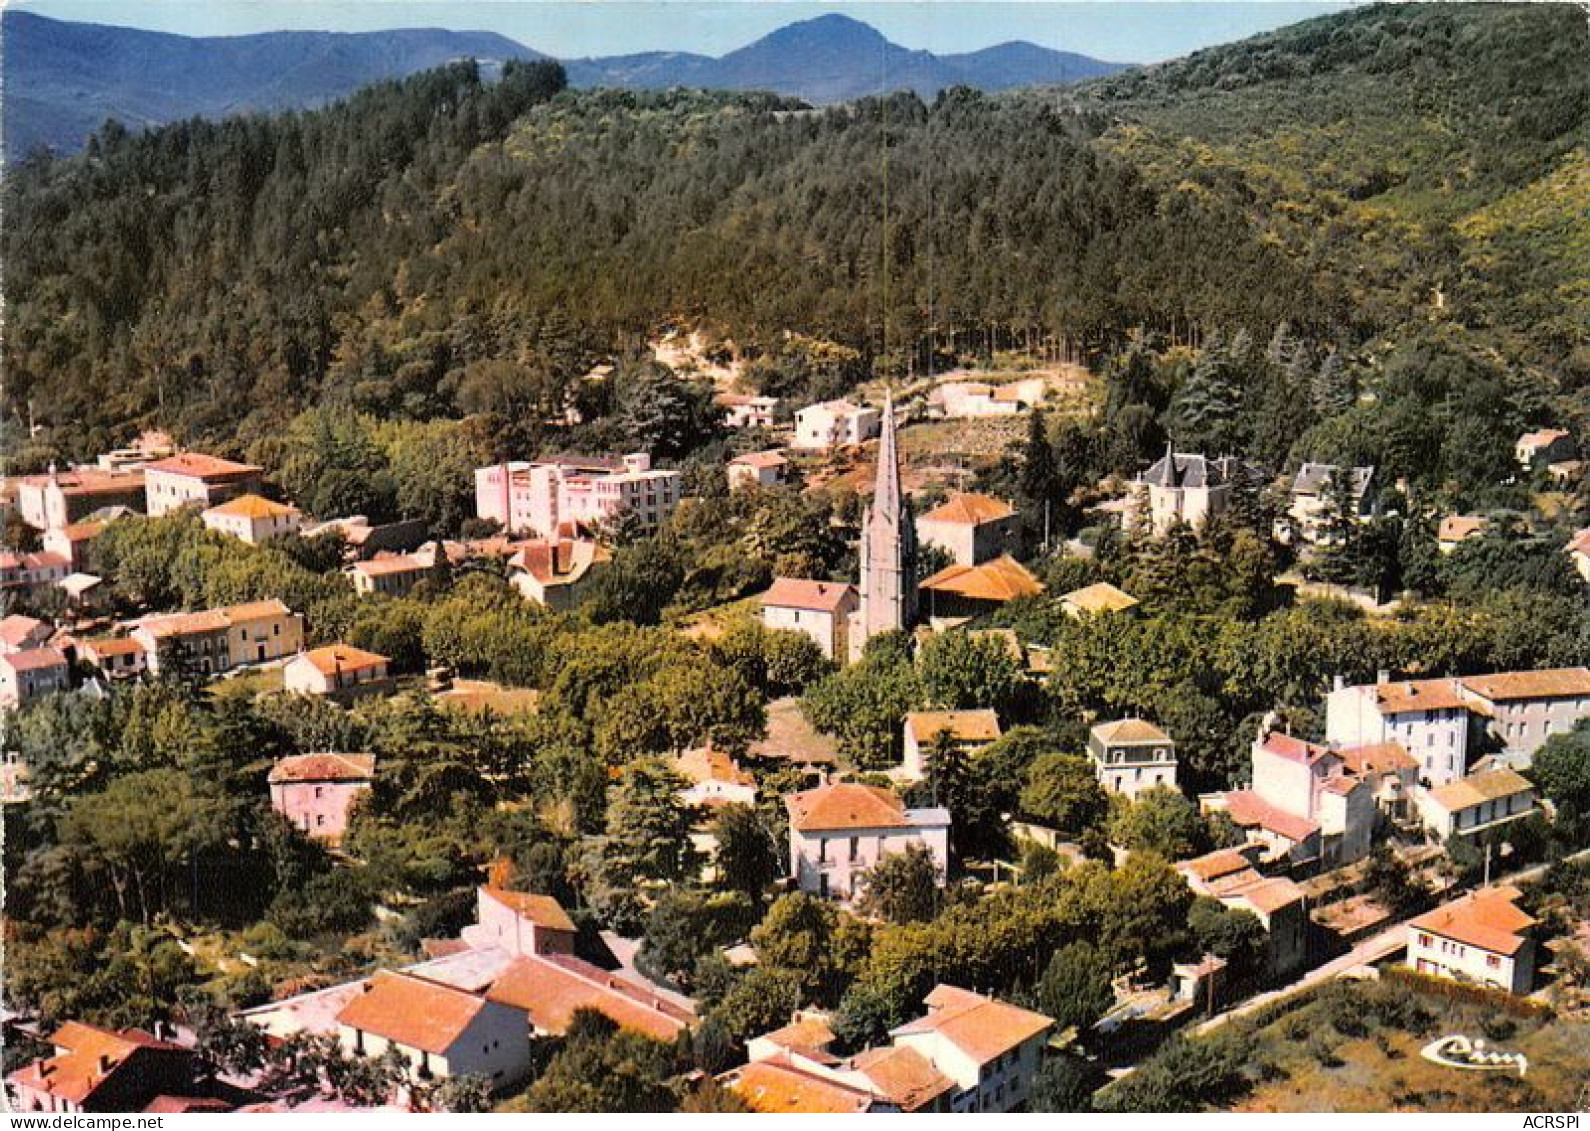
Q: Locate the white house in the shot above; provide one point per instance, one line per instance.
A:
(1183, 487)
(989, 1048)
(820, 609)
(715, 779)
(972, 529)
(253, 518)
(1482, 939)
(835, 424)
(1476, 803)
(1546, 445)
(743, 410)
(194, 479)
(1429, 718)
(1314, 495)
(1131, 755)
(336, 669)
(757, 469)
(1228, 876)
(970, 731)
(837, 833)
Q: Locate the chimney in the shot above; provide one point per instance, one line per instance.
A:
(1383, 676)
(1338, 683)
(104, 1062)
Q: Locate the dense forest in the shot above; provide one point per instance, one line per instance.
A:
(1350, 178)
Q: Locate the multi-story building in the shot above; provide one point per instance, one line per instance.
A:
(100, 1070)
(391, 575)
(835, 424)
(195, 479)
(1476, 804)
(968, 731)
(217, 640)
(1131, 755)
(57, 499)
(741, 410)
(838, 833)
(972, 529)
(71, 542)
(1185, 488)
(545, 497)
(821, 610)
(989, 1049)
(1483, 939)
(1524, 709)
(253, 518)
(520, 923)
(32, 674)
(316, 792)
(1228, 875)
(28, 573)
(1314, 499)
(116, 657)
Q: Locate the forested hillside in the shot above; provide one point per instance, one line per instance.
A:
(1355, 179)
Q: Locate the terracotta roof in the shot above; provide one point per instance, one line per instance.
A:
(1479, 788)
(1341, 784)
(412, 1011)
(777, 1087)
(324, 767)
(214, 620)
(92, 1055)
(1488, 918)
(1554, 683)
(551, 987)
(836, 407)
(252, 506)
(964, 726)
(1213, 865)
(1292, 749)
(1267, 895)
(759, 460)
(795, 593)
(558, 563)
(1003, 579)
(808, 1036)
(80, 531)
(16, 629)
(903, 1076)
(1100, 597)
(1456, 527)
(394, 563)
(1249, 810)
(1401, 695)
(113, 646)
(704, 764)
(982, 1028)
(846, 805)
(1379, 757)
(334, 658)
(1129, 731)
(969, 510)
(541, 910)
(34, 659)
(197, 465)
(1542, 438)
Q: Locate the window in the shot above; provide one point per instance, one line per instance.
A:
(1424, 940)
(855, 847)
(1492, 961)
(822, 850)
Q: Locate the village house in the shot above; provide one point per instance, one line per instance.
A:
(253, 518)
(743, 410)
(194, 479)
(1483, 938)
(102, 1070)
(1476, 804)
(1392, 774)
(558, 574)
(71, 542)
(1131, 755)
(364, 540)
(1578, 551)
(990, 1049)
(715, 779)
(1455, 529)
(550, 988)
(30, 572)
(972, 529)
(1304, 804)
(1546, 445)
(85, 593)
(1314, 497)
(32, 674)
(18, 633)
(217, 640)
(837, 833)
(778, 1086)
(835, 424)
(819, 609)
(116, 657)
(973, 399)
(439, 1031)
(519, 923)
(967, 731)
(1524, 709)
(1228, 876)
(540, 497)
(1183, 487)
(757, 469)
(316, 792)
(339, 670)
(56, 499)
(391, 575)
(962, 592)
(1097, 599)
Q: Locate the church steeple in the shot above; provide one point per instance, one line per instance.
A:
(888, 545)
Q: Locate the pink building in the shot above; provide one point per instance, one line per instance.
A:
(61, 498)
(520, 923)
(838, 833)
(540, 497)
(316, 792)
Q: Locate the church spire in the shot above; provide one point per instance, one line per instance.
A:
(888, 546)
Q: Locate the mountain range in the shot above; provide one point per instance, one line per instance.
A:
(64, 79)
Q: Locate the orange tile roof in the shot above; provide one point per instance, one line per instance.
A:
(1214, 865)
(92, 1055)
(33, 659)
(846, 805)
(981, 1027)
(777, 1087)
(1249, 810)
(252, 506)
(394, 563)
(969, 510)
(1553, 683)
(1292, 749)
(412, 1011)
(1379, 757)
(1268, 895)
(963, 726)
(1488, 918)
(1003, 579)
(903, 1076)
(759, 460)
(113, 646)
(197, 465)
(324, 767)
(1457, 527)
(1541, 438)
(542, 910)
(809, 1036)
(1100, 597)
(1129, 731)
(705, 764)
(334, 658)
(16, 629)
(214, 620)
(1479, 788)
(550, 988)
(1403, 695)
(796, 593)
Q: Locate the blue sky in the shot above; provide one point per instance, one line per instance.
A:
(1126, 32)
